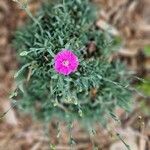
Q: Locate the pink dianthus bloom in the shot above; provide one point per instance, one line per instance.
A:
(66, 62)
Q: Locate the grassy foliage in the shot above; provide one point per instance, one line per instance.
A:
(91, 93)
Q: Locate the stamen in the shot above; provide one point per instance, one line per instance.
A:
(65, 63)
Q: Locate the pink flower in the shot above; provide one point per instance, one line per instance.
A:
(66, 62)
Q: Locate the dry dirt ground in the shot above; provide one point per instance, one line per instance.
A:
(18, 132)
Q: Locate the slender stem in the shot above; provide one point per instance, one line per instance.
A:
(26, 9)
(31, 16)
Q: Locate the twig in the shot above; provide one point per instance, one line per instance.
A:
(142, 141)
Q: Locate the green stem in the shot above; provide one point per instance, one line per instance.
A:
(26, 9)
(31, 16)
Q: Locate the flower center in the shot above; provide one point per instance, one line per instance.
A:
(65, 63)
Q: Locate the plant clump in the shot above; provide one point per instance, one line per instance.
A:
(92, 88)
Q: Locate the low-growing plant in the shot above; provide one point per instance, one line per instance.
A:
(65, 70)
